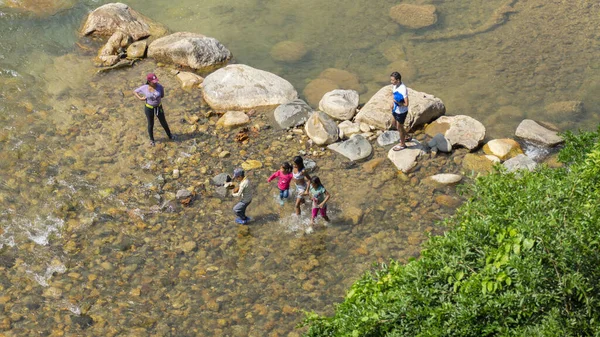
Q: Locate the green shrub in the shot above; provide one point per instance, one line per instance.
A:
(520, 258)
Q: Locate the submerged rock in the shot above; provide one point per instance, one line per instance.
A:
(534, 132)
(340, 104)
(239, 87)
(321, 129)
(41, 8)
(414, 16)
(356, 148)
(315, 89)
(288, 51)
(343, 79)
(423, 108)
(191, 50)
(291, 114)
(107, 19)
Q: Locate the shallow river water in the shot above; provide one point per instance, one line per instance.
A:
(91, 242)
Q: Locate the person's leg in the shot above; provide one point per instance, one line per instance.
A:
(324, 213)
(313, 215)
(163, 122)
(246, 218)
(150, 117)
(298, 202)
(286, 194)
(240, 210)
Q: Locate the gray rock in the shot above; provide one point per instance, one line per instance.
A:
(532, 131)
(356, 148)
(463, 131)
(388, 138)
(520, 162)
(241, 87)
(220, 179)
(183, 193)
(291, 114)
(440, 143)
(423, 108)
(191, 50)
(321, 129)
(340, 104)
(309, 165)
(405, 160)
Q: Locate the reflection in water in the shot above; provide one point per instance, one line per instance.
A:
(90, 230)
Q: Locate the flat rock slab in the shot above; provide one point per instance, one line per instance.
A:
(405, 160)
(291, 114)
(356, 148)
(520, 162)
(190, 50)
(232, 119)
(503, 148)
(444, 179)
(534, 132)
(241, 87)
(388, 138)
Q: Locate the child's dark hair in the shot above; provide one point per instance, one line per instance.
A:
(287, 167)
(315, 180)
(396, 75)
(299, 162)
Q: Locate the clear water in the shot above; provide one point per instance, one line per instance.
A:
(85, 228)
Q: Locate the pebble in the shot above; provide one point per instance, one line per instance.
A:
(189, 246)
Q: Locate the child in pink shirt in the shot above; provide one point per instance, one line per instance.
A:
(284, 176)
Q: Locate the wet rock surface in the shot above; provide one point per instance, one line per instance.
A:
(534, 132)
(294, 113)
(356, 148)
(110, 18)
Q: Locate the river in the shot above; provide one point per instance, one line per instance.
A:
(90, 243)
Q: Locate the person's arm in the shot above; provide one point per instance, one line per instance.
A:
(273, 176)
(137, 92)
(243, 185)
(162, 92)
(327, 196)
(406, 99)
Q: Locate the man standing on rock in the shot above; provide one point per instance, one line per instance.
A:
(399, 108)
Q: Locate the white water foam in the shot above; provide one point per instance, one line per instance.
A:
(54, 267)
(39, 231)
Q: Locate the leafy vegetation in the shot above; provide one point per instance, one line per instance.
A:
(521, 258)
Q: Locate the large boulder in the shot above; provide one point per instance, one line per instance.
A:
(461, 130)
(356, 148)
(240, 87)
(503, 148)
(340, 104)
(291, 114)
(321, 129)
(107, 19)
(406, 159)
(41, 8)
(191, 50)
(534, 132)
(423, 108)
(414, 16)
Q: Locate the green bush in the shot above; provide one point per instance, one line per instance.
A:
(520, 258)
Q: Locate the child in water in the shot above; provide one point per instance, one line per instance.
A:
(284, 176)
(319, 196)
(300, 178)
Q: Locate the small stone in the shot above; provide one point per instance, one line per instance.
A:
(448, 201)
(175, 173)
(189, 246)
(251, 164)
(224, 154)
(52, 292)
(183, 194)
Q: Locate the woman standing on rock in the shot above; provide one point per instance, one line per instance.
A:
(152, 92)
(301, 178)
